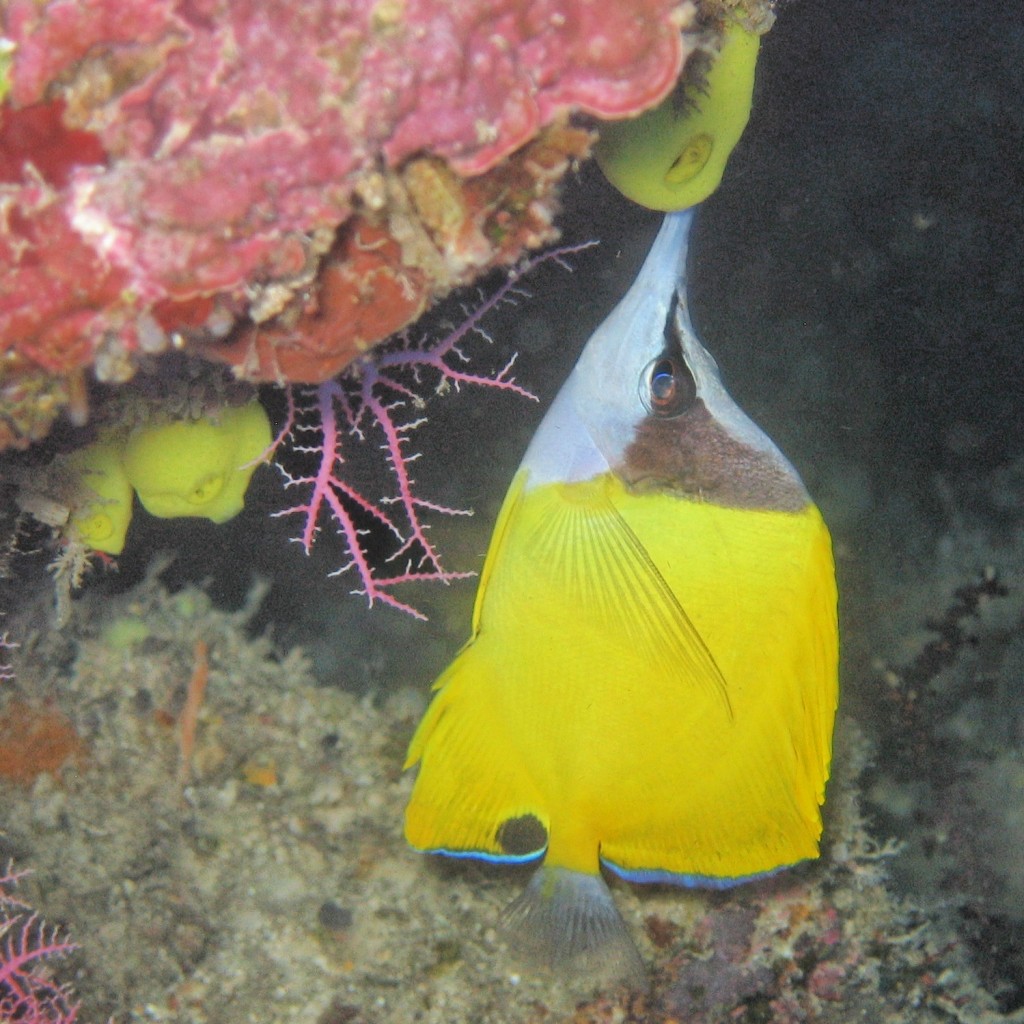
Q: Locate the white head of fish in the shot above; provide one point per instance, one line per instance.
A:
(594, 418)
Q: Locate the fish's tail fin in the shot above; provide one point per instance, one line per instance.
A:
(568, 919)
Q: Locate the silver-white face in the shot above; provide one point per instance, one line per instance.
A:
(598, 415)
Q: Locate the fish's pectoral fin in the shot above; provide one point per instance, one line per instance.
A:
(568, 919)
(473, 796)
(606, 571)
(657, 599)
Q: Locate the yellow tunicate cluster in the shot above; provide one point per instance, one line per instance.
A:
(673, 157)
(178, 468)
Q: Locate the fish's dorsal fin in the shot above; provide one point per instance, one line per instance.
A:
(506, 515)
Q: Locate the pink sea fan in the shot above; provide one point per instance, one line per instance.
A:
(6, 668)
(28, 995)
(380, 400)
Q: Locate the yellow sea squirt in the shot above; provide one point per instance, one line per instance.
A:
(183, 467)
(673, 157)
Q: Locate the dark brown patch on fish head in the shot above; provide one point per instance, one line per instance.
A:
(693, 455)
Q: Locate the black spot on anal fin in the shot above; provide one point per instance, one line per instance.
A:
(521, 836)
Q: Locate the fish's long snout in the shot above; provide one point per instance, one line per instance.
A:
(593, 418)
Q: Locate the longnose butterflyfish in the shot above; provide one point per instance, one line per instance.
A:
(652, 677)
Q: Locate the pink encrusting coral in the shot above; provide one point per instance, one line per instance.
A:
(211, 150)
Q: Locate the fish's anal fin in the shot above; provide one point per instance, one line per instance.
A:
(568, 921)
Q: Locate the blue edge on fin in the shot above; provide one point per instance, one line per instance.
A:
(653, 876)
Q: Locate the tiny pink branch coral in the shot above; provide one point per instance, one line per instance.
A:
(6, 669)
(382, 397)
(27, 993)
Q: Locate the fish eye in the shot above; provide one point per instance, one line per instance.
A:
(669, 387)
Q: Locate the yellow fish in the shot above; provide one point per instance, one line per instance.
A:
(652, 677)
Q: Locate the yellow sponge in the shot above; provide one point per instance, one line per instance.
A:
(673, 157)
(197, 467)
(101, 516)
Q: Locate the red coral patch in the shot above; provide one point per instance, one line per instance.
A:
(364, 293)
(34, 741)
(37, 136)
